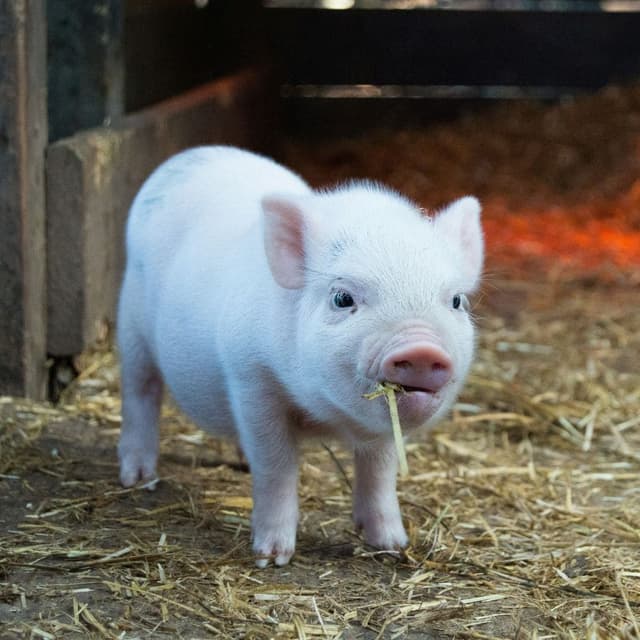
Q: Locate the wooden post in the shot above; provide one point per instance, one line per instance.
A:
(23, 136)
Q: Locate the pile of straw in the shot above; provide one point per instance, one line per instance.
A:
(523, 509)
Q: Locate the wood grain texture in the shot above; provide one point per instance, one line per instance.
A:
(93, 177)
(23, 134)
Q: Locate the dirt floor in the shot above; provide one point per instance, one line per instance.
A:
(523, 508)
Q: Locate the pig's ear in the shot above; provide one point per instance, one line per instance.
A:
(460, 223)
(285, 226)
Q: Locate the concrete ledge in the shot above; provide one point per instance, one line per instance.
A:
(92, 178)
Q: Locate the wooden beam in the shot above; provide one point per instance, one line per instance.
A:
(92, 178)
(575, 49)
(23, 136)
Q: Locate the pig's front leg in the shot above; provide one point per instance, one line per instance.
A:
(375, 504)
(270, 448)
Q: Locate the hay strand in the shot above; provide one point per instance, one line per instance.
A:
(389, 390)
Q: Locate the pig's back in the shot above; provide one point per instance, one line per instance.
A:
(193, 242)
(206, 195)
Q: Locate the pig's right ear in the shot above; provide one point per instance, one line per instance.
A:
(285, 226)
(460, 225)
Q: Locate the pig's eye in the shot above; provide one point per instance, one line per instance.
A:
(342, 300)
(460, 302)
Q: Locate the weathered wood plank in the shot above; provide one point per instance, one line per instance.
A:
(23, 134)
(93, 177)
(448, 47)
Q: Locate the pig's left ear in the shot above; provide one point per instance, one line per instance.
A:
(460, 224)
(285, 227)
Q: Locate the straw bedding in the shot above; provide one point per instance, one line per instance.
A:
(523, 508)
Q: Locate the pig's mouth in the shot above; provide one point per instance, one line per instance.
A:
(408, 389)
(416, 404)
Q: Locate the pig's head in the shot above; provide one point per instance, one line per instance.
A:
(380, 295)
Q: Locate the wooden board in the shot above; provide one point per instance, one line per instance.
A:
(93, 177)
(447, 47)
(23, 135)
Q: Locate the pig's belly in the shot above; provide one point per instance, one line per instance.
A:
(204, 402)
(188, 367)
(183, 339)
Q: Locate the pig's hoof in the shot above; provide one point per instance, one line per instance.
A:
(383, 533)
(136, 466)
(276, 548)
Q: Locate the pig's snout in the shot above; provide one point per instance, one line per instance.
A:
(417, 367)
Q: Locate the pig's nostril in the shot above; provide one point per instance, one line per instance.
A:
(407, 364)
(422, 366)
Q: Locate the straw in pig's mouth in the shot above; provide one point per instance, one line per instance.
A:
(388, 390)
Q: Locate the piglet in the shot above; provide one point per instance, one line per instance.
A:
(269, 310)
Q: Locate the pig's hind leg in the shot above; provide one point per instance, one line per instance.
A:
(141, 388)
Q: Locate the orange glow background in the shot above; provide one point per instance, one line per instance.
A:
(559, 184)
(581, 237)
